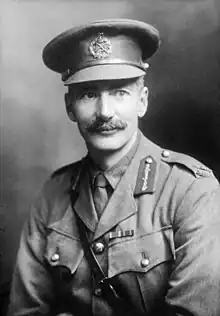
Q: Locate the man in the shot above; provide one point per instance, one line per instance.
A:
(131, 229)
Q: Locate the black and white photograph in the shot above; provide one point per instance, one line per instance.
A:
(110, 158)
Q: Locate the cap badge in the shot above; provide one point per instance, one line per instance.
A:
(100, 47)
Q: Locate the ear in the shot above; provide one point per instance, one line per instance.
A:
(69, 108)
(143, 104)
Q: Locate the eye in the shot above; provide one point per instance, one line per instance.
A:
(88, 95)
(120, 93)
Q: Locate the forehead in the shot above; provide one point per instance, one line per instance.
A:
(105, 84)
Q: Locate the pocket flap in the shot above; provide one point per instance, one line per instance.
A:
(63, 251)
(141, 253)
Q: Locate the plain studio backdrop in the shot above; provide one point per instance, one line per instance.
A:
(36, 135)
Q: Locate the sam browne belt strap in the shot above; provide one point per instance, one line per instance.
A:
(108, 290)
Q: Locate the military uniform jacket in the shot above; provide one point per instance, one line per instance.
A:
(161, 237)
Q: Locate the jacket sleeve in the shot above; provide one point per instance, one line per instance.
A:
(31, 292)
(194, 285)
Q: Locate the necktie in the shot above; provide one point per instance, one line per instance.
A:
(100, 194)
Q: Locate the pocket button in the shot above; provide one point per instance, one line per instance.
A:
(55, 257)
(145, 262)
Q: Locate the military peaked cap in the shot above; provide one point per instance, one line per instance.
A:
(102, 50)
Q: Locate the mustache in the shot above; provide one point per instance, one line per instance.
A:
(100, 125)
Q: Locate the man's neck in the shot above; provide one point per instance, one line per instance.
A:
(107, 159)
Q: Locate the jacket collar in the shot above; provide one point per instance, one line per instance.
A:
(122, 203)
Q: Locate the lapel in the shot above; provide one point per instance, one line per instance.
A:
(84, 206)
(67, 225)
(122, 204)
(80, 204)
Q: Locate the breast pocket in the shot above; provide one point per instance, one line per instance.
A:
(141, 266)
(141, 253)
(63, 255)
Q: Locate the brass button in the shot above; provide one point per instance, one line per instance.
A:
(145, 262)
(149, 160)
(98, 248)
(165, 153)
(98, 292)
(55, 257)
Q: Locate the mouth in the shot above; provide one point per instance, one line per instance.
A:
(105, 131)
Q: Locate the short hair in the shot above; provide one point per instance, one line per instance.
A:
(141, 82)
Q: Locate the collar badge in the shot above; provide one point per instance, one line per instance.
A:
(100, 47)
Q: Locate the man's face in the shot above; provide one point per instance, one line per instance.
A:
(107, 112)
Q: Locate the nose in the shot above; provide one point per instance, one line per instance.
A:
(105, 106)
